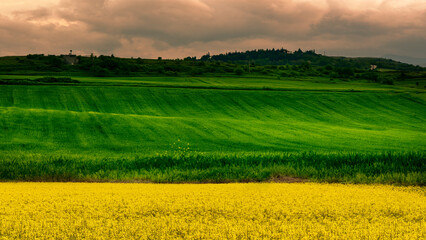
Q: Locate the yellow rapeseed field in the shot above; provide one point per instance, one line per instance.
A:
(198, 211)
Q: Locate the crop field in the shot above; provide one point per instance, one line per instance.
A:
(148, 120)
(229, 211)
(212, 130)
(131, 133)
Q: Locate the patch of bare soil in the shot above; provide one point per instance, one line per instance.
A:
(283, 179)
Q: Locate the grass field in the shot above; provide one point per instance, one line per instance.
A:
(229, 211)
(212, 129)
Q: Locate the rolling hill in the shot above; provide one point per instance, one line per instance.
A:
(212, 129)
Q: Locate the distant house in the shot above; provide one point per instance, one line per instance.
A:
(70, 59)
(373, 67)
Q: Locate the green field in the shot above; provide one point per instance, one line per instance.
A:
(212, 129)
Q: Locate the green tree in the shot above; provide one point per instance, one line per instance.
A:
(239, 71)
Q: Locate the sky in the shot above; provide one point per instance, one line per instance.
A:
(181, 28)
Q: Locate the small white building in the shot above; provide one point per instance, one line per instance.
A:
(70, 59)
(373, 67)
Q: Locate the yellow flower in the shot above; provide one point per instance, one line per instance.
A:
(227, 211)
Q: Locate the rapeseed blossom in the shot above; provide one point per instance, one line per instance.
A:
(208, 211)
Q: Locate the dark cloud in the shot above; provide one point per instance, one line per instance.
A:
(187, 21)
(37, 14)
(23, 37)
(408, 46)
(338, 25)
(176, 28)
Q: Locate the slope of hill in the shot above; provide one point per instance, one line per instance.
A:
(149, 120)
(299, 57)
(212, 129)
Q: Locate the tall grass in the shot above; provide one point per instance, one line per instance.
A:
(174, 167)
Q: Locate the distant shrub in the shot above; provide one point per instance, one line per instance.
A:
(160, 70)
(196, 72)
(285, 74)
(345, 72)
(101, 72)
(306, 65)
(370, 75)
(171, 73)
(239, 71)
(55, 63)
(334, 75)
(35, 56)
(294, 74)
(388, 82)
(265, 71)
(385, 79)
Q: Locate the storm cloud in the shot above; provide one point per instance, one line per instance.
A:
(179, 28)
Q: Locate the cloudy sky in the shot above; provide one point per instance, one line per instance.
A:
(180, 28)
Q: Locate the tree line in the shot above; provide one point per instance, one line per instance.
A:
(279, 63)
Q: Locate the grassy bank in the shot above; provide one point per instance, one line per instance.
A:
(388, 168)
